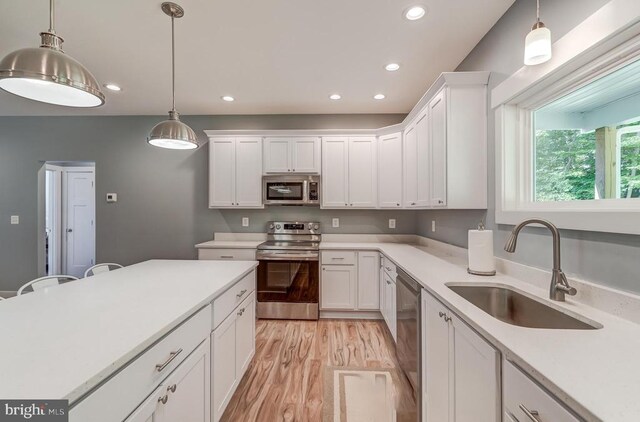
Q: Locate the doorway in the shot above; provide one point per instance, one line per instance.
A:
(69, 217)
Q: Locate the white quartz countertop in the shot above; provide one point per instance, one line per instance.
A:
(63, 341)
(229, 244)
(596, 372)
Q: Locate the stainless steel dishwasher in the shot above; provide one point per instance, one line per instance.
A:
(408, 322)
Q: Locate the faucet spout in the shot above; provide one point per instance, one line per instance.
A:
(559, 284)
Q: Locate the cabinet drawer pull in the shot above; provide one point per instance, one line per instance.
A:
(336, 258)
(242, 292)
(447, 318)
(226, 256)
(241, 311)
(531, 414)
(172, 388)
(164, 399)
(160, 367)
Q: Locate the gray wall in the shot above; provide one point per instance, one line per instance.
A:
(605, 258)
(162, 208)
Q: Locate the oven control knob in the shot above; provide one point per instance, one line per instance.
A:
(278, 226)
(316, 227)
(271, 226)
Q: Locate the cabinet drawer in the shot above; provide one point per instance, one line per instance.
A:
(519, 390)
(227, 302)
(338, 258)
(120, 395)
(389, 267)
(229, 254)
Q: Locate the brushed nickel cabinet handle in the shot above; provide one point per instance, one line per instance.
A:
(172, 388)
(337, 258)
(241, 311)
(441, 314)
(226, 256)
(242, 292)
(160, 367)
(531, 414)
(447, 318)
(164, 399)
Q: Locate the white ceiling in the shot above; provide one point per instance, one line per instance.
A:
(273, 56)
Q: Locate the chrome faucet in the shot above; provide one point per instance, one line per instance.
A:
(559, 284)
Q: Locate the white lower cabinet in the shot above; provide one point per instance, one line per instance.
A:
(388, 301)
(232, 347)
(183, 396)
(349, 281)
(338, 290)
(368, 293)
(525, 401)
(460, 371)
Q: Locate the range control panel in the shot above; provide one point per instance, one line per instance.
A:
(293, 227)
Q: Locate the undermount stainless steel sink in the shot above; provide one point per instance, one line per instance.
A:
(515, 308)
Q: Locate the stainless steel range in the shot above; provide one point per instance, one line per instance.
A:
(288, 271)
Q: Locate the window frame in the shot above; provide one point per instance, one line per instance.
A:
(580, 57)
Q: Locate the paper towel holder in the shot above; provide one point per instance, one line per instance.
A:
(483, 273)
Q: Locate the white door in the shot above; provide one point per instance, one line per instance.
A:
(337, 289)
(436, 361)
(423, 164)
(79, 218)
(222, 152)
(245, 334)
(475, 379)
(335, 162)
(410, 151)
(305, 155)
(390, 171)
(368, 281)
(248, 172)
(277, 155)
(187, 390)
(438, 141)
(363, 177)
(223, 370)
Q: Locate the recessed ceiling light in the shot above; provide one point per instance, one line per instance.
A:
(392, 67)
(415, 12)
(112, 87)
(379, 97)
(228, 98)
(335, 96)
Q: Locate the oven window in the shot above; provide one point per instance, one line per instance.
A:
(288, 281)
(289, 191)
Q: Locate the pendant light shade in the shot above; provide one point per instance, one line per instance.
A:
(172, 133)
(537, 45)
(48, 75)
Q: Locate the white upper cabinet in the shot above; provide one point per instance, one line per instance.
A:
(438, 140)
(416, 163)
(349, 172)
(390, 171)
(292, 155)
(235, 172)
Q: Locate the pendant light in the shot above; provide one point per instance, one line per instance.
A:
(48, 75)
(172, 133)
(537, 45)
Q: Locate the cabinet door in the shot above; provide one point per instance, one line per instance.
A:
(390, 171)
(437, 365)
(248, 172)
(222, 172)
(277, 155)
(390, 298)
(381, 284)
(146, 412)
(335, 156)
(476, 375)
(223, 370)
(338, 287)
(438, 141)
(245, 334)
(363, 179)
(305, 155)
(368, 272)
(423, 183)
(410, 151)
(187, 390)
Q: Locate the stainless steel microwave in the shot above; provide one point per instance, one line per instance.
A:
(291, 190)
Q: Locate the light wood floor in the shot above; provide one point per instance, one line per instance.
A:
(285, 380)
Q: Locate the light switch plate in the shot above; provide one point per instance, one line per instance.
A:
(392, 223)
(15, 219)
(335, 222)
(433, 225)
(245, 221)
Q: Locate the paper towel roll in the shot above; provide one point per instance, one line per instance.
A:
(481, 252)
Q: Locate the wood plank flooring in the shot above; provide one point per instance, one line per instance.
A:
(285, 379)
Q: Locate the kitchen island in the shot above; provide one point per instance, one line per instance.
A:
(72, 341)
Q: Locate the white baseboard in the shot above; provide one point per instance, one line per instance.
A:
(350, 315)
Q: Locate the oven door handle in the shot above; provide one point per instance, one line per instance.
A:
(287, 256)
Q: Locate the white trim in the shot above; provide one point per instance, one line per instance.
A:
(350, 315)
(604, 42)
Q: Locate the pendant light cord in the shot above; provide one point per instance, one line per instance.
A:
(173, 64)
(538, 10)
(52, 16)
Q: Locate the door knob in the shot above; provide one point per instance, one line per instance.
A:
(69, 230)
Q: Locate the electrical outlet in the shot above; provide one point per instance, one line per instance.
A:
(245, 221)
(335, 222)
(15, 219)
(433, 225)
(392, 223)
(112, 197)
